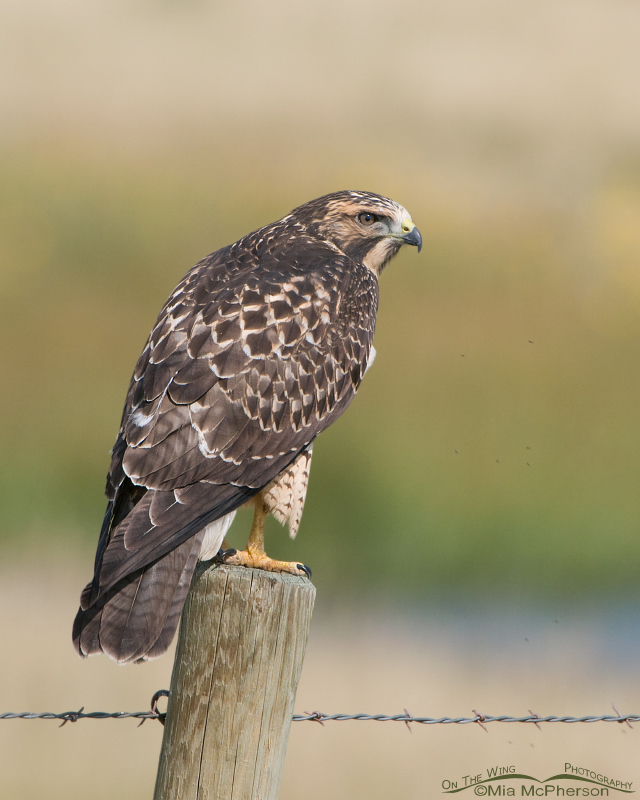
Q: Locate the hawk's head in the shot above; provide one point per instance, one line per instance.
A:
(367, 227)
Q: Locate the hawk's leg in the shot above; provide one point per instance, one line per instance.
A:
(254, 556)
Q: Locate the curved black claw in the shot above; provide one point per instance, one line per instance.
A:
(305, 569)
(224, 554)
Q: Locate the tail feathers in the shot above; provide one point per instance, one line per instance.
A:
(137, 618)
(144, 566)
(175, 608)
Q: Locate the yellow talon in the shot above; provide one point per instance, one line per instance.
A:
(254, 556)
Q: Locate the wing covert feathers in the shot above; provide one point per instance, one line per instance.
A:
(247, 375)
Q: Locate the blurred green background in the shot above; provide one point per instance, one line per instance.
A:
(494, 448)
(477, 508)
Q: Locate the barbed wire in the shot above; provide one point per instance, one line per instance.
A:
(74, 716)
(480, 719)
(321, 717)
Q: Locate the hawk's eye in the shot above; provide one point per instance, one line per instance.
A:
(365, 218)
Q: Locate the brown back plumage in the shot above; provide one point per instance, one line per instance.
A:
(259, 348)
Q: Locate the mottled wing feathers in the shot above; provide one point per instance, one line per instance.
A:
(233, 383)
(260, 347)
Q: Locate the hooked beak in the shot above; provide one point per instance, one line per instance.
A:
(411, 235)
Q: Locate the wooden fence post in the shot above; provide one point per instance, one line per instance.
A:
(238, 661)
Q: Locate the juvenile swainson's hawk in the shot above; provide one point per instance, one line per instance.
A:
(260, 348)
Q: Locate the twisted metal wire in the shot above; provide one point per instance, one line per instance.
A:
(481, 719)
(74, 716)
(319, 716)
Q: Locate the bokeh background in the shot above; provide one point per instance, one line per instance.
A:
(472, 522)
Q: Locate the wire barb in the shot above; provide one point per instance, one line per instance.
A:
(71, 716)
(315, 716)
(622, 719)
(407, 720)
(480, 719)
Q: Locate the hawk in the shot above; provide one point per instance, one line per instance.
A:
(259, 348)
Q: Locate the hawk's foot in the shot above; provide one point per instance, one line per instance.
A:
(257, 560)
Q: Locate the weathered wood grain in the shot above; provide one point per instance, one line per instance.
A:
(238, 661)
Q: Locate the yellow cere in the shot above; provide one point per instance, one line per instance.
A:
(407, 225)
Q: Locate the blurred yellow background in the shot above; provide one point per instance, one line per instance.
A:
(491, 458)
